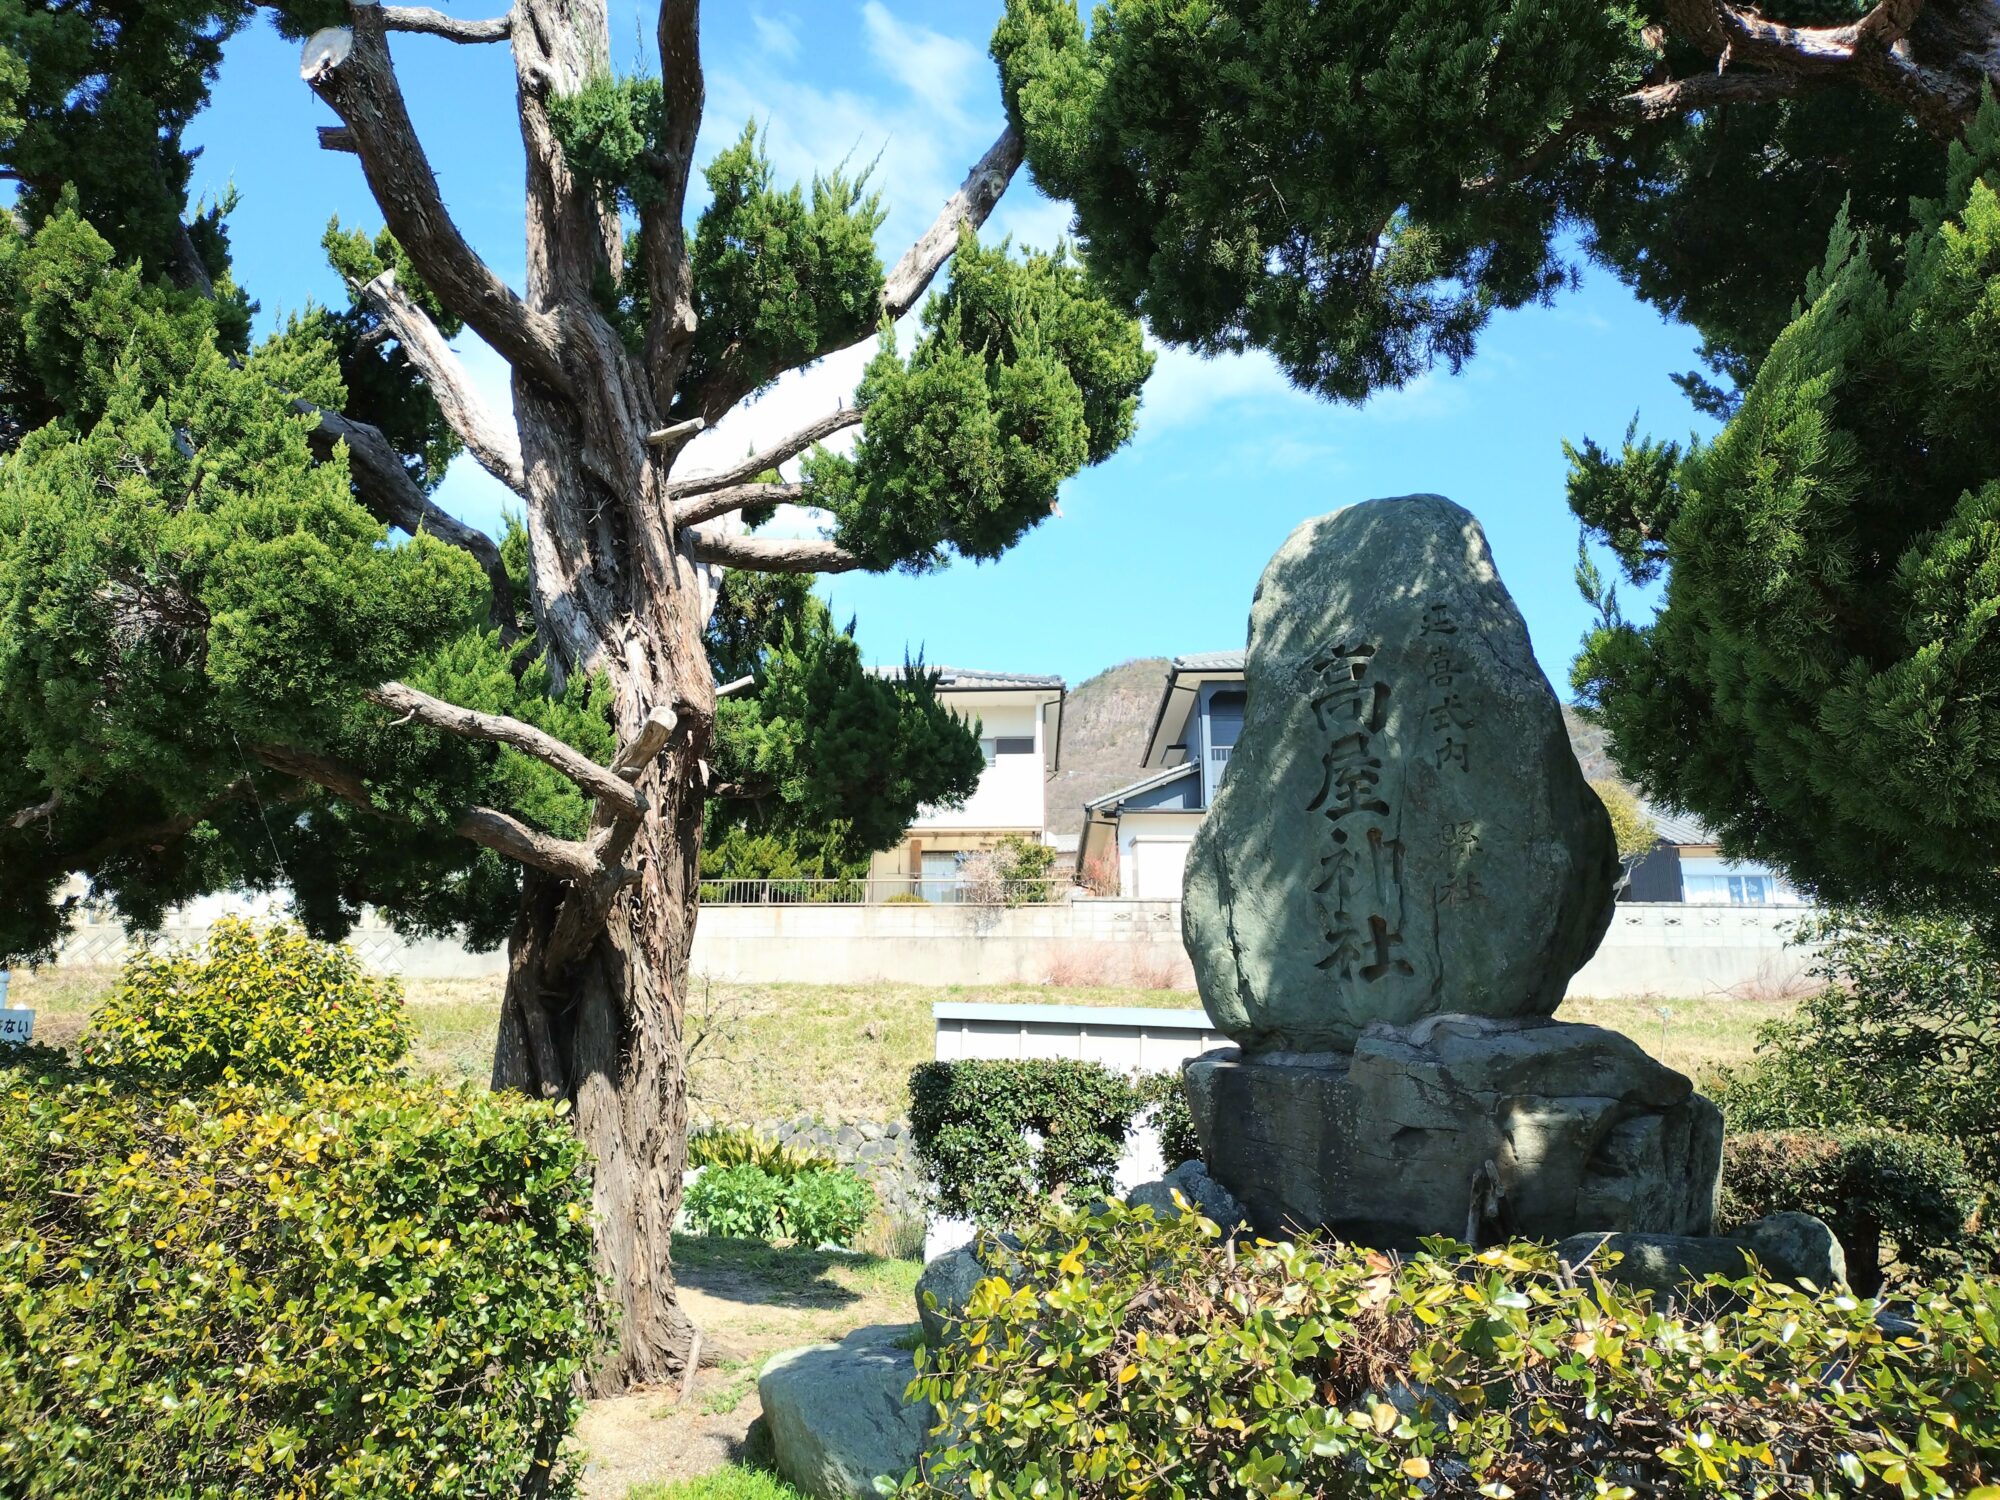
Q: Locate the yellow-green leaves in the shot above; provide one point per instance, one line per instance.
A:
(1127, 1356)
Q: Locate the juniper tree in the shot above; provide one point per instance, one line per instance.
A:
(1822, 681)
(217, 664)
(1357, 186)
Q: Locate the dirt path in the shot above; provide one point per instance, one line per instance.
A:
(750, 1301)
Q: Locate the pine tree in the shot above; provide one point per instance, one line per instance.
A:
(219, 667)
(1357, 186)
(1822, 683)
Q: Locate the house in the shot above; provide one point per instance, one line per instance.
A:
(1020, 727)
(1142, 831)
(1687, 865)
(1136, 838)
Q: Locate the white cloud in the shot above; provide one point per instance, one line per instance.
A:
(1187, 388)
(939, 70)
(777, 36)
(795, 399)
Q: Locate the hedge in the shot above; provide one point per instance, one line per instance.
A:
(1876, 1189)
(249, 1005)
(970, 1122)
(1134, 1357)
(338, 1290)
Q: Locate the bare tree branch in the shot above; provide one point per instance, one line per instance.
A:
(712, 503)
(785, 448)
(470, 724)
(761, 554)
(644, 747)
(481, 825)
(452, 28)
(1865, 53)
(41, 812)
(968, 207)
(393, 498)
(662, 240)
(907, 281)
(496, 445)
(1680, 96)
(350, 69)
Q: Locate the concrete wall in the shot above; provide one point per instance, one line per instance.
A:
(1663, 950)
(1688, 950)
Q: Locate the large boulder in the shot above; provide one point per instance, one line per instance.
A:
(945, 1287)
(1788, 1246)
(837, 1416)
(1462, 1126)
(1190, 1179)
(1403, 830)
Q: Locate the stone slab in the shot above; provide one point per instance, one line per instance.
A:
(837, 1416)
(1463, 1126)
(1403, 829)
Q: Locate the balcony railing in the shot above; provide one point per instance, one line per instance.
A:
(886, 891)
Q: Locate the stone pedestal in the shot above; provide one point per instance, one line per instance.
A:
(1465, 1126)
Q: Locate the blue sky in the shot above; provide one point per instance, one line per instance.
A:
(1156, 551)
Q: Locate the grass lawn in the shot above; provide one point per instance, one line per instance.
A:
(844, 1052)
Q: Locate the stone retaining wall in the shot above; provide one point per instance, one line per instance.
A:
(881, 1152)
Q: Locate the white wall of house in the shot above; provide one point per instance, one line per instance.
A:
(1152, 853)
(1011, 790)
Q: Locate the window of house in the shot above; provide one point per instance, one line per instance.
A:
(1022, 744)
(986, 750)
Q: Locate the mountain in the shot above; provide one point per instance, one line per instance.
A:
(1104, 726)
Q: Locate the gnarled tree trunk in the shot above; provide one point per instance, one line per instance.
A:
(621, 560)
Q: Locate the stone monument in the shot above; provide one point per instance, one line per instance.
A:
(1401, 871)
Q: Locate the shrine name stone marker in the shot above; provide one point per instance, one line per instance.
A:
(1403, 835)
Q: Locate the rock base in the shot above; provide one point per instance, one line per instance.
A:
(1479, 1129)
(837, 1416)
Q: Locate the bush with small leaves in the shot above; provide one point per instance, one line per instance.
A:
(333, 1290)
(250, 1005)
(1878, 1190)
(971, 1122)
(1124, 1355)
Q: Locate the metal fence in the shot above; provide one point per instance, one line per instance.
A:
(905, 890)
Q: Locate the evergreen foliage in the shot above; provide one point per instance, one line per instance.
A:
(1119, 1354)
(823, 761)
(1822, 682)
(1358, 186)
(268, 1007)
(1023, 375)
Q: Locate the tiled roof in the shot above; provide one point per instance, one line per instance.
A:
(968, 678)
(1680, 828)
(1210, 661)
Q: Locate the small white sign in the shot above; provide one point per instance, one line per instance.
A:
(17, 1025)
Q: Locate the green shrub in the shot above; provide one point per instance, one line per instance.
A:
(1166, 1096)
(739, 1145)
(1024, 865)
(1134, 1357)
(970, 1122)
(1876, 1189)
(1905, 1035)
(338, 1290)
(250, 1005)
(907, 898)
(817, 1207)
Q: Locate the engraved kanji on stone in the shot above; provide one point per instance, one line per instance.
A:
(1455, 750)
(1352, 781)
(1438, 620)
(1388, 955)
(1460, 889)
